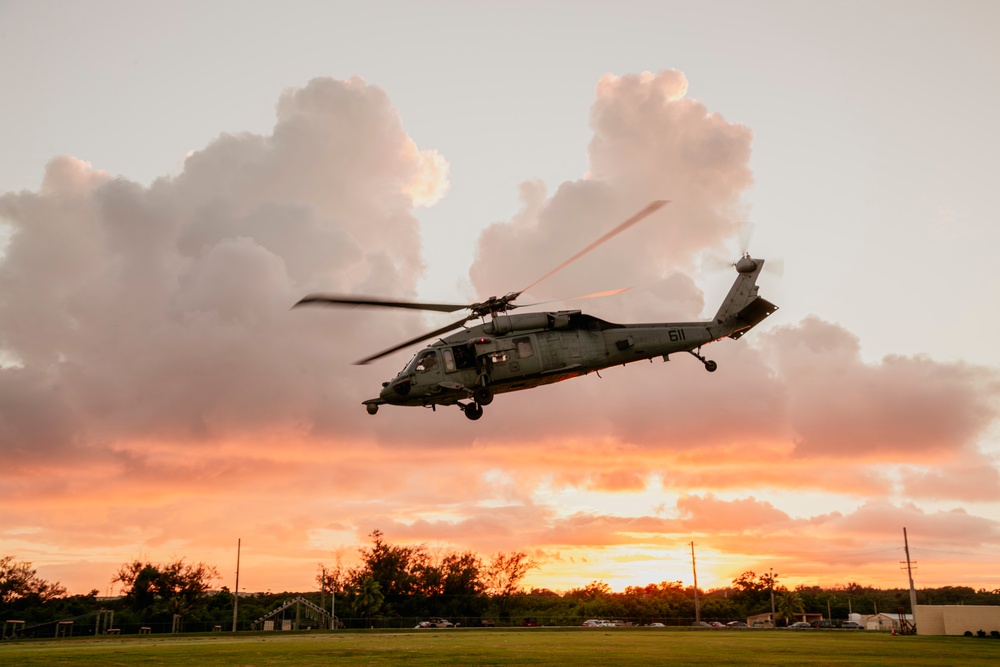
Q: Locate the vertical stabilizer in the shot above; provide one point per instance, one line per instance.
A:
(742, 309)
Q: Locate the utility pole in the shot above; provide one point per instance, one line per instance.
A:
(770, 583)
(236, 593)
(697, 606)
(909, 572)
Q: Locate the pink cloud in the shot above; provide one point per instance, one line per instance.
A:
(165, 401)
(971, 478)
(710, 514)
(911, 406)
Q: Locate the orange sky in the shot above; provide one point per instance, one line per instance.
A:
(160, 400)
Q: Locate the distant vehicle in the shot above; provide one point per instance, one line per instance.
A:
(700, 624)
(736, 624)
(435, 623)
(852, 625)
(531, 622)
(656, 625)
(488, 623)
(821, 624)
(801, 625)
(598, 623)
(716, 624)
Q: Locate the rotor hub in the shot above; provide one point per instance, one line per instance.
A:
(746, 264)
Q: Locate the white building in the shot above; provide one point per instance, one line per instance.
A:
(946, 619)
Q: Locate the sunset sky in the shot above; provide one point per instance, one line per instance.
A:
(175, 175)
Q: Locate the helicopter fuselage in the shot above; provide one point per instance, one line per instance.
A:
(525, 350)
(522, 351)
(512, 352)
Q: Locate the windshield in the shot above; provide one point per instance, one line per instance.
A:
(424, 361)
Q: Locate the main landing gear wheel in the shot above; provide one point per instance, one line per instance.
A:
(372, 408)
(473, 411)
(710, 365)
(483, 395)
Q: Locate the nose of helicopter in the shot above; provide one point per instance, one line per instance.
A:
(396, 390)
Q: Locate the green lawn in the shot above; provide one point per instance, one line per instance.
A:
(528, 646)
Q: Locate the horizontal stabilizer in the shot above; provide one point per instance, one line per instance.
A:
(751, 315)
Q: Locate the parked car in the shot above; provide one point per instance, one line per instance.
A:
(852, 625)
(435, 623)
(598, 623)
(801, 625)
(700, 624)
(736, 624)
(656, 625)
(716, 624)
(820, 624)
(531, 622)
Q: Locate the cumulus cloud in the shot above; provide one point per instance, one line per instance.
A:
(903, 406)
(150, 366)
(163, 311)
(650, 143)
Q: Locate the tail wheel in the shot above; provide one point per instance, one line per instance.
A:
(483, 395)
(710, 366)
(473, 411)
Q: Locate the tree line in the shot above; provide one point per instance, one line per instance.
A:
(394, 585)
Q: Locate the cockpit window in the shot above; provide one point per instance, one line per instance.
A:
(425, 361)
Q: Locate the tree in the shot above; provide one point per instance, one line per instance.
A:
(789, 604)
(461, 574)
(503, 577)
(505, 572)
(393, 567)
(367, 599)
(144, 583)
(748, 582)
(592, 591)
(18, 580)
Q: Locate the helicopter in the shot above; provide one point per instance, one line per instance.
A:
(513, 352)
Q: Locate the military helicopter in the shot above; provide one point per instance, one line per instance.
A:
(511, 352)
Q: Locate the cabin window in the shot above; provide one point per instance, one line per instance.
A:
(522, 346)
(465, 357)
(426, 360)
(449, 359)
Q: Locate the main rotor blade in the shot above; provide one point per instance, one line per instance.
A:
(334, 300)
(413, 341)
(649, 210)
(595, 295)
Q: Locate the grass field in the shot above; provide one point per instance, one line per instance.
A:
(528, 646)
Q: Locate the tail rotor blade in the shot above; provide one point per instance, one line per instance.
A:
(746, 237)
(775, 266)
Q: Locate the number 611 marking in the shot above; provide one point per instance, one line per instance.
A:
(676, 335)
